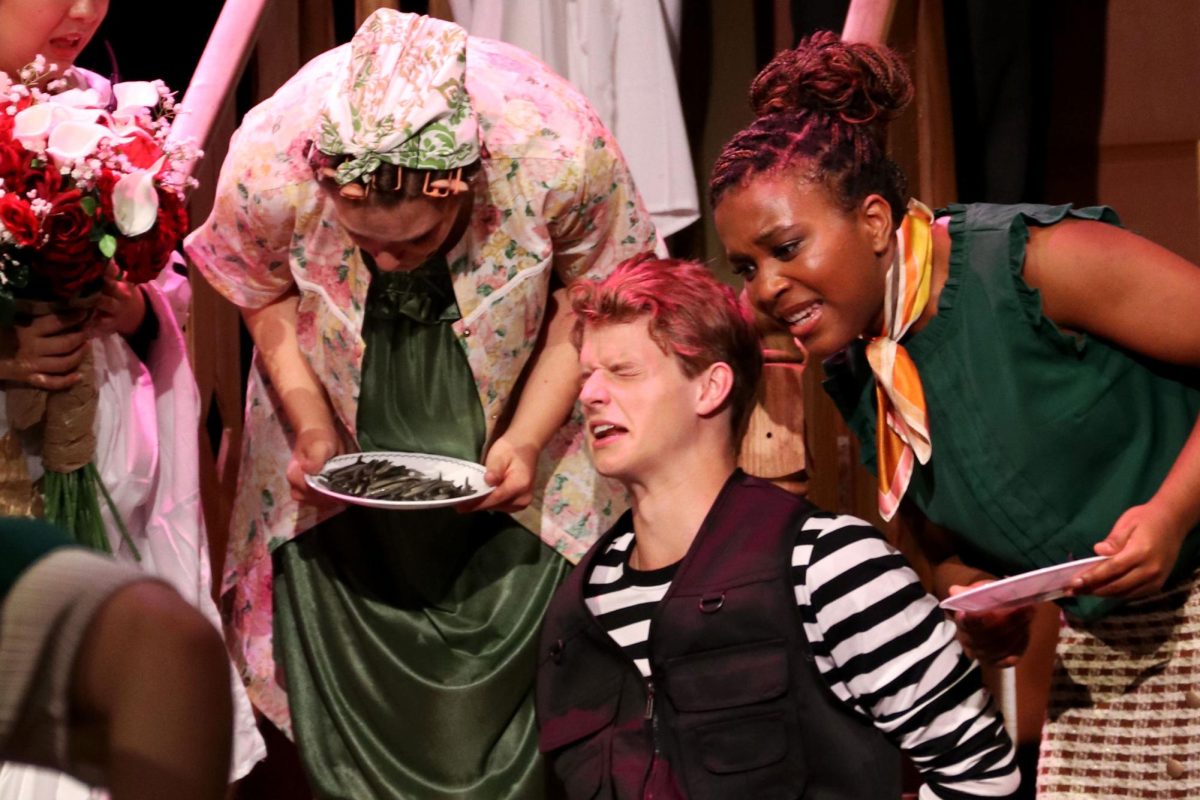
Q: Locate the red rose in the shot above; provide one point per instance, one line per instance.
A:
(19, 219)
(143, 256)
(6, 124)
(172, 214)
(69, 260)
(47, 181)
(142, 151)
(7, 120)
(13, 160)
(104, 187)
(67, 226)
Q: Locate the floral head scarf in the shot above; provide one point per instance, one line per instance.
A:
(403, 100)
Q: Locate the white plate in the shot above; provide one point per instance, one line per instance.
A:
(1040, 585)
(451, 469)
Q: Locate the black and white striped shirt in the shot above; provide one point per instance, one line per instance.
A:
(880, 641)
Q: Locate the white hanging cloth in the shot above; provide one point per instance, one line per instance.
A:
(622, 54)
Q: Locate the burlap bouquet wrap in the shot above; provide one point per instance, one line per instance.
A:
(66, 422)
(69, 437)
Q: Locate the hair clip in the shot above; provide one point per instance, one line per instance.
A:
(354, 190)
(444, 187)
(358, 189)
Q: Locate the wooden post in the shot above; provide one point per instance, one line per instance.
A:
(207, 119)
(773, 442)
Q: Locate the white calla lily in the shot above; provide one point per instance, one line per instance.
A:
(71, 140)
(79, 98)
(135, 95)
(125, 122)
(32, 125)
(81, 114)
(135, 201)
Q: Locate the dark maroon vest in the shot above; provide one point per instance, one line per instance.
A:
(735, 706)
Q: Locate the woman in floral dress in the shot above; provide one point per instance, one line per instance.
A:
(397, 223)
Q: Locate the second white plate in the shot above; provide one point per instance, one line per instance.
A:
(1036, 586)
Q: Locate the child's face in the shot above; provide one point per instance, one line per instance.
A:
(56, 29)
(639, 406)
(807, 263)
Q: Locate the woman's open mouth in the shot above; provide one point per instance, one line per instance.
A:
(801, 321)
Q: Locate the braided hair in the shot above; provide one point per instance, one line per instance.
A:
(823, 105)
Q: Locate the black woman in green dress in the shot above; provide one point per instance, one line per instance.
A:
(1025, 377)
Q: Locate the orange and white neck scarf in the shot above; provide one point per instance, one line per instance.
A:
(902, 431)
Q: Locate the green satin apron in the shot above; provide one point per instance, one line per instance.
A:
(408, 639)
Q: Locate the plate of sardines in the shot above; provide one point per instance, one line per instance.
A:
(400, 481)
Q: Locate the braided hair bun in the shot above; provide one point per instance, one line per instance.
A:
(823, 105)
(860, 84)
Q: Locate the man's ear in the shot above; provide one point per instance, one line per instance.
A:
(714, 385)
(875, 216)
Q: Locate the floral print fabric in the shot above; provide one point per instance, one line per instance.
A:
(558, 201)
(402, 101)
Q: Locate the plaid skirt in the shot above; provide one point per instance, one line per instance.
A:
(1124, 711)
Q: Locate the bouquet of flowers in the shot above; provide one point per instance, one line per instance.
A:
(90, 186)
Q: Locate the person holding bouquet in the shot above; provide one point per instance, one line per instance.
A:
(398, 224)
(98, 407)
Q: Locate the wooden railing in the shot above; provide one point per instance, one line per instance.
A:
(300, 30)
(213, 333)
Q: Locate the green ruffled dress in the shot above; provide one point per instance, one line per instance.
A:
(1041, 438)
(408, 639)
